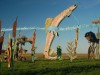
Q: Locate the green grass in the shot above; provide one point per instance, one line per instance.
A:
(54, 67)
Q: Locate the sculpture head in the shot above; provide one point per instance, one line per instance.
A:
(73, 7)
(90, 36)
(70, 9)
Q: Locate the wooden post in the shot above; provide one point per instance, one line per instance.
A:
(33, 46)
(33, 55)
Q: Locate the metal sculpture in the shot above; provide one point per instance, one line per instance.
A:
(21, 53)
(1, 37)
(97, 22)
(52, 29)
(8, 51)
(72, 46)
(94, 42)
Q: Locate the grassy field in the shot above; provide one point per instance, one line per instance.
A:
(80, 66)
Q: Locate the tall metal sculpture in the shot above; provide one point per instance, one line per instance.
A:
(91, 37)
(52, 29)
(72, 46)
(15, 44)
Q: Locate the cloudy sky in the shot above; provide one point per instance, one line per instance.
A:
(33, 13)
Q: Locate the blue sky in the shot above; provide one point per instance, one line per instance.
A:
(33, 13)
